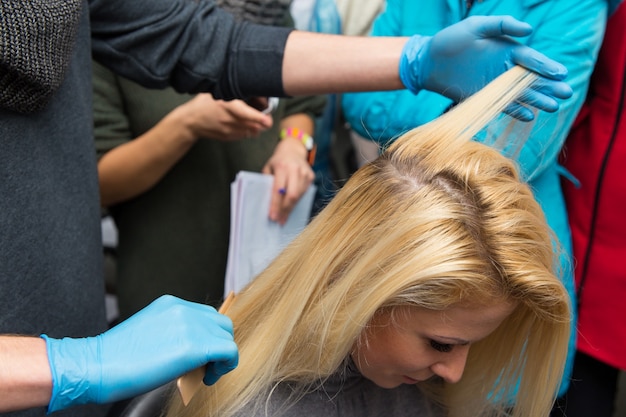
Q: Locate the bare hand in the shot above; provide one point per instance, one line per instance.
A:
(223, 120)
(292, 177)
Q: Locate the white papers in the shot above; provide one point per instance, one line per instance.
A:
(255, 240)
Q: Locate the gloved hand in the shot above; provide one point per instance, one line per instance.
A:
(462, 58)
(166, 339)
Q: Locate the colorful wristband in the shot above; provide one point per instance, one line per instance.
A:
(304, 138)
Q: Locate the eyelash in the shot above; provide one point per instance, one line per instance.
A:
(440, 347)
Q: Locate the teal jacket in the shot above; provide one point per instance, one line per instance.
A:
(565, 30)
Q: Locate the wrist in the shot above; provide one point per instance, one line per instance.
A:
(412, 63)
(181, 127)
(71, 368)
(304, 138)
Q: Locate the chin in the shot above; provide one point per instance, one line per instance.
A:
(387, 383)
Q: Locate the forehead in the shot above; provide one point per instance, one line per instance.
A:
(463, 323)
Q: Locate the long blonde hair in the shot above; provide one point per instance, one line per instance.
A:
(435, 221)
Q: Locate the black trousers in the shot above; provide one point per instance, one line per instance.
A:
(592, 390)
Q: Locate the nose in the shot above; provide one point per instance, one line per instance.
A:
(452, 364)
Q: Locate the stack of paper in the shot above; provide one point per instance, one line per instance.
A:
(254, 239)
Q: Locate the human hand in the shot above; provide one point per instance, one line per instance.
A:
(292, 177)
(223, 120)
(168, 338)
(462, 58)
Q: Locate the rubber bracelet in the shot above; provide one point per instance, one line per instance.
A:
(304, 138)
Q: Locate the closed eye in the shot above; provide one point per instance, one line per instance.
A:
(441, 347)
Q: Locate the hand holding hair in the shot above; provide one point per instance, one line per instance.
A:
(459, 60)
(161, 342)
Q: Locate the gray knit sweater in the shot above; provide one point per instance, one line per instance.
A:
(347, 394)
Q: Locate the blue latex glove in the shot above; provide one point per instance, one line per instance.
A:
(168, 338)
(464, 57)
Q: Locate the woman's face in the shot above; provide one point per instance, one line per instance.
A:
(419, 343)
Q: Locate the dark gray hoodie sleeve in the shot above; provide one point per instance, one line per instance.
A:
(191, 45)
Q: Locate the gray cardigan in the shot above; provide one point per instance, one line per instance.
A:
(50, 244)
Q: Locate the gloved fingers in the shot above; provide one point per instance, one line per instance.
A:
(539, 100)
(519, 112)
(166, 307)
(225, 361)
(513, 27)
(212, 316)
(557, 89)
(538, 62)
(542, 95)
(210, 377)
(493, 26)
(531, 98)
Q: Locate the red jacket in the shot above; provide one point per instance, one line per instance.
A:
(595, 153)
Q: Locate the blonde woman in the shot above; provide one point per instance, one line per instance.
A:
(426, 287)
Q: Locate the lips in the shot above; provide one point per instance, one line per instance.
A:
(409, 380)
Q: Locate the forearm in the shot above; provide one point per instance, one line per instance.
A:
(25, 378)
(136, 166)
(299, 120)
(340, 63)
(168, 338)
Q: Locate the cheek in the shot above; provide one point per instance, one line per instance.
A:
(391, 351)
(371, 352)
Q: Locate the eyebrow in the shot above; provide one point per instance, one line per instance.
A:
(452, 339)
